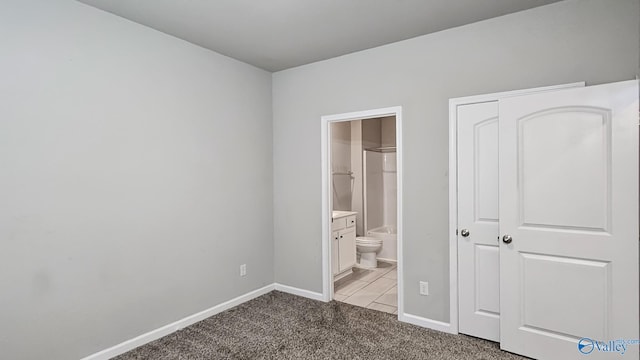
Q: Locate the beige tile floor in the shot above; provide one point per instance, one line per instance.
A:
(375, 289)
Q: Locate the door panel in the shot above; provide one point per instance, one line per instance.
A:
(569, 199)
(478, 254)
(347, 248)
(487, 280)
(335, 253)
(570, 277)
(575, 142)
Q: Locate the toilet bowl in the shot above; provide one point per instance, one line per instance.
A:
(368, 248)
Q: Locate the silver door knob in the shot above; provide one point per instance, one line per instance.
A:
(507, 239)
(464, 232)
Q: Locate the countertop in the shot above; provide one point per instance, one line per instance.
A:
(340, 214)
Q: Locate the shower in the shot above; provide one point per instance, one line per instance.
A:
(380, 198)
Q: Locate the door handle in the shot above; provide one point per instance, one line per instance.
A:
(464, 232)
(507, 239)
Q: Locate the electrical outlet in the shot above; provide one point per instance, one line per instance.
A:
(243, 270)
(424, 288)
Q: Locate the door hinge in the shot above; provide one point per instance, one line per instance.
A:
(456, 232)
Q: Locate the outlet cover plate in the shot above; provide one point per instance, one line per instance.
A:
(424, 288)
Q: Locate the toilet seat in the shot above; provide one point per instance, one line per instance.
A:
(368, 240)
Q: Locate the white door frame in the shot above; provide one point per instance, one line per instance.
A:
(453, 182)
(327, 200)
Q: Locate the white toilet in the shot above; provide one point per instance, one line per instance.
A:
(368, 248)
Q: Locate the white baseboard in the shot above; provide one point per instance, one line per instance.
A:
(343, 274)
(391, 261)
(175, 326)
(427, 323)
(192, 319)
(300, 292)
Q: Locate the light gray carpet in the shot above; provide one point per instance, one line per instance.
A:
(283, 326)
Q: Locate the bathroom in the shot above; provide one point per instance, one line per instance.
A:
(364, 222)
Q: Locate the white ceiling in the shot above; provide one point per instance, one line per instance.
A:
(279, 34)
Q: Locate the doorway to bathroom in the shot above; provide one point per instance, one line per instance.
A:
(361, 209)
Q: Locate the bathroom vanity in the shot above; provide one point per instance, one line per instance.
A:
(343, 246)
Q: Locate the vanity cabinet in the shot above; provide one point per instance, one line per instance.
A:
(343, 244)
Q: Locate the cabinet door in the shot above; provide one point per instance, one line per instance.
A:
(347, 246)
(335, 252)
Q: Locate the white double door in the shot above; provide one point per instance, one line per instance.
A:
(548, 220)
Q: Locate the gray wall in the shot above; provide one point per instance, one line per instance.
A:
(136, 178)
(357, 201)
(340, 165)
(371, 133)
(575, 40)
(388, 130)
